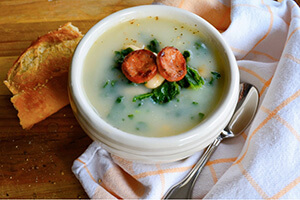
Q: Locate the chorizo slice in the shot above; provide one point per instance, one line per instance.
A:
(171, 64)
(139, 66)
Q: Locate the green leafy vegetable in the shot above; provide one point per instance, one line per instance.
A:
(192, 79)
(201, 115)
(166, 92)
(142, 96)
(215, 76)
(186, 55)
(200, 45)
(113, 82)
(119, 99)
(163, 94)
(106, 83)
(131, 116)
(119, 57)
(153, 46)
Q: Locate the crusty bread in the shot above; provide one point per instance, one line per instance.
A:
(38, 78)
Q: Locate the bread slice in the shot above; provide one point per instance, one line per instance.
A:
(38, 79)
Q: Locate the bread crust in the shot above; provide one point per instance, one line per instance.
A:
(38, 78)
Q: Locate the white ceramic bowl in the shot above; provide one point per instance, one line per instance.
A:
(152, 149)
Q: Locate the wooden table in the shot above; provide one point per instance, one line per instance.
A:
(37, 163)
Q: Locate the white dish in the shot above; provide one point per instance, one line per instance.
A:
(151, 149)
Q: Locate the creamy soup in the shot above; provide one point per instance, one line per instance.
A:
(111, 94)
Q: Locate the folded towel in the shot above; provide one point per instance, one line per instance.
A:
(264, 161)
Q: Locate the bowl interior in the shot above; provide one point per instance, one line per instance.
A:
(104, 131)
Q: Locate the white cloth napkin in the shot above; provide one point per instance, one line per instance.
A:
(262, 163)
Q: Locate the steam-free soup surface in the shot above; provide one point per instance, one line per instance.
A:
(111, 95)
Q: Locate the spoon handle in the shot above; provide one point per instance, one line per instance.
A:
(183, 190)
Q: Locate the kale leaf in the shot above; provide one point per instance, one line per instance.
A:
(142, 96)
(192, 79)
(215, 76)
(166, 92)
(186, 55)
(163, 94)
(153, 46)
(119, 57)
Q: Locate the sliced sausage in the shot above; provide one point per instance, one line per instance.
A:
(171, 64)
(139, 66)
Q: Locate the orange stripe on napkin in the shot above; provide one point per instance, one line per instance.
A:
(254, 52)
(162, 180)
(87, 170)
(252, 182)
(292, 33)
(268, 32)
(291, 57)
(213, 173)
(265, 54)
(244, 135)
(282, 121)
(261, 79)
(222, 160)
(286, 189)
(265, 121)
(266, 85)
(158, 172)
(102, 193)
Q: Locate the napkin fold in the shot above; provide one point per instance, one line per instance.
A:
(262, 163)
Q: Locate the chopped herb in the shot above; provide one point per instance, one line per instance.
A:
(192, 79)
(195, 103)
(130, 116)
(215, 76)
(153, 46)
(119, 57)
(186, 55)
(113, 82)
(141, 97)
(201, 116)
(106, 83)
(119, 99)
(200, 45)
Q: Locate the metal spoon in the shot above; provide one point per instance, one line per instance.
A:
(243, 115)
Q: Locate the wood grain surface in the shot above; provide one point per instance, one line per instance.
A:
(37, 163)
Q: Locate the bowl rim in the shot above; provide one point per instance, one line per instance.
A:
(83, 106)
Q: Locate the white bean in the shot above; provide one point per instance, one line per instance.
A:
(155, 82)
(134, 47)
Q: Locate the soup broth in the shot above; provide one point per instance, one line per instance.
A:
(111, 95)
